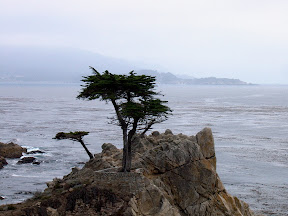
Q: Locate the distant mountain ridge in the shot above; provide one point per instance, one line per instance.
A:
(169, 78)
(46, 64)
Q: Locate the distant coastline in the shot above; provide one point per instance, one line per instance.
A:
(161, 78)
(169, 78)
(63, 65)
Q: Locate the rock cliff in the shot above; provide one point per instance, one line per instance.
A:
(171, 175)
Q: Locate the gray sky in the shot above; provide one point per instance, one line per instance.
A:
(245, 39)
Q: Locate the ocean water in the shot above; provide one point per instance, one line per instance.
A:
(249, 123)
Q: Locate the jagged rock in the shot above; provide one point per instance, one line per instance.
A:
(3, 162)
(11, 150)
(171, 175)
(206, 142)
(109, 149)
(54, 183)
(168, 131)
(25, 160)
(110, 157)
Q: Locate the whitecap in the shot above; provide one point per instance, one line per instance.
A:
(24, 176)
(31, 148)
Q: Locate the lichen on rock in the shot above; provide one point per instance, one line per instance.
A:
(171, 175)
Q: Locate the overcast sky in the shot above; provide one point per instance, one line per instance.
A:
(245, 39)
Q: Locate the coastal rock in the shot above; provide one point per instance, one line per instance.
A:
(155, 133)
(11, 150)
(168, 131)
(35, 152)
(25, 160)
(171, 175)
(36, 162)
(3, 162)
(206, 142)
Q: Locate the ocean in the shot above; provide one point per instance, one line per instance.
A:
(249, 124)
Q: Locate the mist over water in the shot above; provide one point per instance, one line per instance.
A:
(249, 124)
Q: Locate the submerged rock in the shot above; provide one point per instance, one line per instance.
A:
(36, 162)
(35, 152)
(11, 150)
(171, 175)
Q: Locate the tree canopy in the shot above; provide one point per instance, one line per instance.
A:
(134, 102)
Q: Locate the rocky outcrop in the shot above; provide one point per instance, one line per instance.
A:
(26, 160)
(3, 162)
(11, 150)
(171, 175)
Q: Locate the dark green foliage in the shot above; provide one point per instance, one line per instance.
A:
(133, 98)
(109, 86)
(76, 136)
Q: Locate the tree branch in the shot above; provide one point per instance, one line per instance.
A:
(149, 125)
(119, 116)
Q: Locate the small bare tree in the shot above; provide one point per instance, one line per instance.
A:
(75, 136)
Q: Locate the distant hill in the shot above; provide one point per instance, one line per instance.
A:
(54, 64)
(47, 64)
(163, 78)
(169, 78)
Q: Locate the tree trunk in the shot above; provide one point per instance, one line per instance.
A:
(149, 125)
(129, 145)
(125, 150)
(129, 154)
(125, 136)
(86, 149)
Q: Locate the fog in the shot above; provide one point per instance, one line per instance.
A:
(247, 40)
